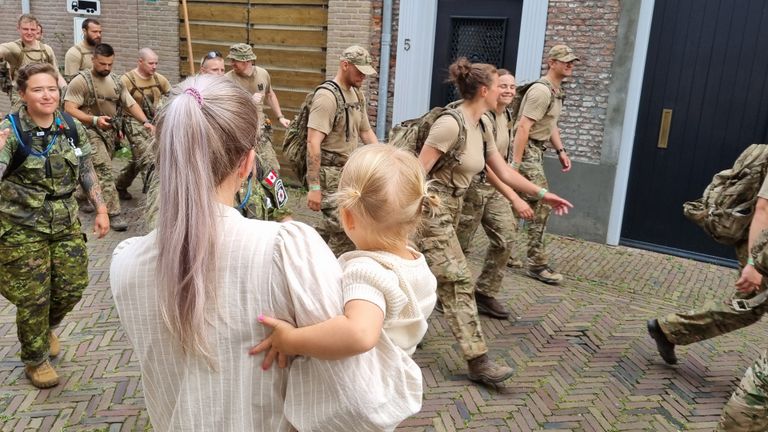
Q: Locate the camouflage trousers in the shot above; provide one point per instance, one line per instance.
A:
(483, 204)
(330, 228)
(716, 318)
(532, 168)
(140, 140)
(44, 276)
(440, 246)
(747, 410)
(265, 150)
(103, 144)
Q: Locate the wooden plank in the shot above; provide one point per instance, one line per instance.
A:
(293, 38)
(298, 16)
(290, 2)
(190, 2)
(295, 80)
(270, 57)
(220, 13)
(216, 32)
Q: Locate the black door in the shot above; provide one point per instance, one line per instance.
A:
(484, 31)
(705, 64)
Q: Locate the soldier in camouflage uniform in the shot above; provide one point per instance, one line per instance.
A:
(484, 204)
(43, 257)
(148, 88)
(98, 99)
(478, 85)
(26, 50)
(329, 144)
(268, 197)
(747, 409)
(536, 129)
(720, 317)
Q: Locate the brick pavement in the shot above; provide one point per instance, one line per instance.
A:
(582, 359)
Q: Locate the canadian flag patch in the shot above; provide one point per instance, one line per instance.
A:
(271, 178)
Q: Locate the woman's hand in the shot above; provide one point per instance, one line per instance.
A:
(559, 205)
(523, 209)
(101, 224)
(275, 343)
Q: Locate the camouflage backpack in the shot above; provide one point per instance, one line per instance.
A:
(411, 134)
(725, 210)
(514, 107)
(295, 141)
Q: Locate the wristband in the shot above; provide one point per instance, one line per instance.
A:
(751, 261)
(314, 187)
(514, 165)
(542, 192)
(280, 117)
(95, 121)
(562, 150)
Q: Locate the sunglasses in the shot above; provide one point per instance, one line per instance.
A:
(210, 55)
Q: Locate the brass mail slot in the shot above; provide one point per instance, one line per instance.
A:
(666, 122)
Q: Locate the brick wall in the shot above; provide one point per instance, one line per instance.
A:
(128, 25)
(590, 28)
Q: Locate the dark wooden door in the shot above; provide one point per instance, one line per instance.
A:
(485, 31)
(705, 64)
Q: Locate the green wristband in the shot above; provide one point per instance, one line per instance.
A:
(314, 187)
(542, 192)
(751, 261)
(95, 121)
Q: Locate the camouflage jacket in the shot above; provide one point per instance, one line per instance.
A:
(268, 197)
(39, 193)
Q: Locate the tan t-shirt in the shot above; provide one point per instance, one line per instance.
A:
(106, 97)
(443, 136)
(258, 82)
(763, 192)
(78, 58)
(534, 106)
(149, 88)
(321, 119)
(17, 56)
(503, 128)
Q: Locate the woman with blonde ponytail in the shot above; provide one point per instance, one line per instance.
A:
(189, 293)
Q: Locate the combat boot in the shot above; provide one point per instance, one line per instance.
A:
(663, 345)
(43, 375)
(124, 195)
(118, 223)
(53, 342)
(546, 275)
(483, 370)
(490, 306)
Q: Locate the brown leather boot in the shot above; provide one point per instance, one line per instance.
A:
(488, 305)
(43, 375)
(54, 348)
(482, 369)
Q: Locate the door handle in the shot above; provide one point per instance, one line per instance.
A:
(666, 122)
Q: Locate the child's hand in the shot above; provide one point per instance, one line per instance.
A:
(276, 343)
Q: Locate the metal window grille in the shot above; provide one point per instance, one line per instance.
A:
(481, 40)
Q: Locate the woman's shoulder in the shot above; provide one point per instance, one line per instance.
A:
(131, 245)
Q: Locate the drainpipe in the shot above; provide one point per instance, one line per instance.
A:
(25, 6)
(386, 37)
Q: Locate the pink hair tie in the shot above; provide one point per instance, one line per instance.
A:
(195, 94)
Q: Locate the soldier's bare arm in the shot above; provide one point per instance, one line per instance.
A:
(275, 105)
(565, 161)
(751, 279)
(314, 196)
(90, 183)
(369, 137)
(521, 139)
(522, 208)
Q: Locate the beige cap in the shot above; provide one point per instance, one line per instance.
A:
(562, 53)
(359, 57)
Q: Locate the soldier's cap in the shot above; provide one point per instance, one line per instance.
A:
(359, 57)
(562, 53)
(241, 52)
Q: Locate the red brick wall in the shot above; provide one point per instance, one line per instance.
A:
(591, 29)
(128, 25)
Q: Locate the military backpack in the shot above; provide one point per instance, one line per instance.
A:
(411, 134)
(726, 209)
(295, 141)
(517, 101)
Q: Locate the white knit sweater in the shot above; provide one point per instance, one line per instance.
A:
(405, 290)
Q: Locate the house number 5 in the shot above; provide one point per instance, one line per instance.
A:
(407, 44)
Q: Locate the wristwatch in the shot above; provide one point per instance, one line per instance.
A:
(562, 150)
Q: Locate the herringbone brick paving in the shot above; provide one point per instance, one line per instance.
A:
(582, 358)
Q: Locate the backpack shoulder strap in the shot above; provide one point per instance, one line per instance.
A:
(22, 150)
(134, 87)
(341, 104)
(71, 130)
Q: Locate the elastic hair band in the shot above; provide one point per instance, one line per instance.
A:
(195, 94)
